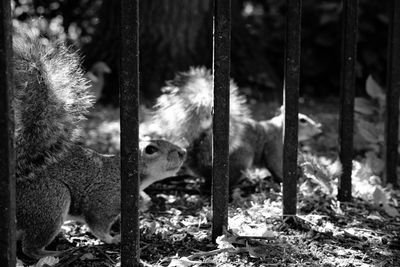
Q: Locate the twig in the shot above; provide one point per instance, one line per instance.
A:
(71, 260)
(257, 237)
(104, 254)
(215, 252)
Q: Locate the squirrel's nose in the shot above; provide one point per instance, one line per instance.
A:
(182, 153)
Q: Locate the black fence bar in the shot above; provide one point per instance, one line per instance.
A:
(129, 104)
(221, 70)
(348, 82)
(290, 101)
(392, 96)
(7, 159)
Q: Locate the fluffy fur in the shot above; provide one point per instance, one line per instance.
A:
(51, 97)
(184, 110)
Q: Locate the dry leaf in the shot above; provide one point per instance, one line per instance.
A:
(257, 252)
(47, 261)
(391, 211)
(87, 256)
(368, 131)
(183, 262)
(19, 263)
(373, 89)
(225, 242)
(364, 106)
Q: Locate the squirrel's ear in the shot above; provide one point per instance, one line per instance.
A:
(281, 110)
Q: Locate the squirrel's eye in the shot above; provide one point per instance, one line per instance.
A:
(302, 120)
(150, 149)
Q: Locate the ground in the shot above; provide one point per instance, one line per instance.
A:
(176, 230)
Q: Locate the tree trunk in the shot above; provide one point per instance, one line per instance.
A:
(174, 35)
(171, 35)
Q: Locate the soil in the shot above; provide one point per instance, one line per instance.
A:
(176, 230)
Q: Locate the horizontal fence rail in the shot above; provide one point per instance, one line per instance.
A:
(221, 71)
(392, 95)
(290, 101)
(348, 82)
(7, 159)
(129, 104)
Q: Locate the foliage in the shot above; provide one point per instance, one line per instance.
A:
(74, 21)
(321, 40)
(369, 114)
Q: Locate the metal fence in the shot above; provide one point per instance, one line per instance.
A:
(129, 91)
(7, 158)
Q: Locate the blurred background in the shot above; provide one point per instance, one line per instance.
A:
(177, 34)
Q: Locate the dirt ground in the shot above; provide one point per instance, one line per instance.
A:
(176, 230)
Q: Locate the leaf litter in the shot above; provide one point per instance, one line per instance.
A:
(176, 230)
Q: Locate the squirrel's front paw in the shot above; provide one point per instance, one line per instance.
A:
(116, 239)
(145, 202)
(106, 237)
(112, 239)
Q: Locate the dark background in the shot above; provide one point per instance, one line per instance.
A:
(176, 34)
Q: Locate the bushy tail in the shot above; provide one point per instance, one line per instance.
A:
(50, 99)
(184, 111)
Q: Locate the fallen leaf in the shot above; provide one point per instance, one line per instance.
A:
(375, 216)
(19, 263)
(183, 262)
(257, 252)
(391, 211)
(47, 261)
(373, 89)
(87, 256)
(368, 131)
(225, 242)
(363, 106)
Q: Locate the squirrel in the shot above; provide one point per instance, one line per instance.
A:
(56, 178)
(184, 112)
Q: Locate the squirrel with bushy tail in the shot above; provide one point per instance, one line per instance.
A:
(56, 178)
(183, 115)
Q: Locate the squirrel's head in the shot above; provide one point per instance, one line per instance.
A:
(308, 128)
(159, 159)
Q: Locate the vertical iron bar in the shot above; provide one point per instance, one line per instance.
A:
(346, 120)
(7, 158)
(221, 71)
(129, 103)
(392, 96)
(290, 101)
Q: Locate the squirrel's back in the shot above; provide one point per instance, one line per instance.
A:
(50, 98)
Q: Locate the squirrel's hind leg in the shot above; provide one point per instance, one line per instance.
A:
(101, 229)
(102, 210)
(40, 218)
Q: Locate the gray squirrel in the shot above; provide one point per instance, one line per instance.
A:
(56, 178)
(183, 115)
